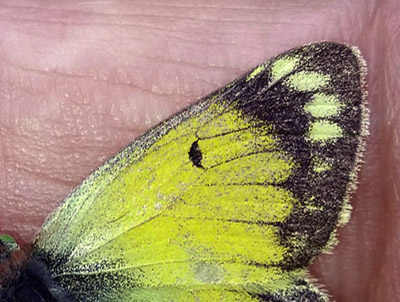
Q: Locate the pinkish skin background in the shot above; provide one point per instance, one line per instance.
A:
(79, 80)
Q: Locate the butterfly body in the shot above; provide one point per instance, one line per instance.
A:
(228, 200)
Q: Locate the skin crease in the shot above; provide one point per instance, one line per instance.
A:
(79, 80)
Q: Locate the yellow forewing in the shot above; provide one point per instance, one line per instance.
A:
(219, 203)
(166, 220)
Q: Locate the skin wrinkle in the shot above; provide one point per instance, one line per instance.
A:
(174, 55)
(75, 76)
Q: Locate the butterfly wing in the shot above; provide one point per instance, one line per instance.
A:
(228, 200)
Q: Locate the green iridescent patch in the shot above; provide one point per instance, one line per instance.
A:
(228, 200)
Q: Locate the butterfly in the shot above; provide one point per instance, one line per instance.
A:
(228, 200)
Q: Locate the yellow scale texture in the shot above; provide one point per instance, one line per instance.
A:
(177, 234)
(175, 231)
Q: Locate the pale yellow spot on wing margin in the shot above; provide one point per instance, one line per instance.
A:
(323, 105)
(307, 80)
(324, 130)
(283, 66)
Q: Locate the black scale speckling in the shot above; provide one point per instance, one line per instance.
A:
(282, 107)
(303, 293)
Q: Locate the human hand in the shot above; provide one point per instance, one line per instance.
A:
(80, 80)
